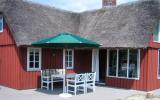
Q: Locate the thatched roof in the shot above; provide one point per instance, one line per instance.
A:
(128, 25)
(30, 22)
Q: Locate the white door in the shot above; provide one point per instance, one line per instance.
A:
(95, 62)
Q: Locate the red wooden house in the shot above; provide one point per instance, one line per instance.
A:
(129, 34)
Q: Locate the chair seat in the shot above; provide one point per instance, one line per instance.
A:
(73, 83)
(57, 79)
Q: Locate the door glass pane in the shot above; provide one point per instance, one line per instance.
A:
(66, 64)
(122, 65)
(133, 67)
(70, 64)
(70, 52)
(70, 58)
(112, 62)
(66, 52)
(66, 58)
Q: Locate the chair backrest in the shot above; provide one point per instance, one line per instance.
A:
(45, 72)
(61, 71)
(49, 72)
(91, 77)
(52, 71)
(80, 78)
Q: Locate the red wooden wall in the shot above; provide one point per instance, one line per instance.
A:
(9, 60)
(140, 84)
(52, 58)
(153, 81)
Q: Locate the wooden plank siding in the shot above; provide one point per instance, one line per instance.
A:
(153, 81)
(52, 58)
(140, 84)
(9, 60)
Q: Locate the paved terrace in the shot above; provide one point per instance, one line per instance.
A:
(101, 93)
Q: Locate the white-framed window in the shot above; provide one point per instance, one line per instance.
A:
(68, 58)
(158, 72)
(34, 59)
(1, 23)
(123, 63)
(156, 33)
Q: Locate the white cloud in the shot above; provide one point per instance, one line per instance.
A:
(124, 1)
(80, 5)
(77, 5)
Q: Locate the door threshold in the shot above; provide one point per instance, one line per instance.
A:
(99, 83)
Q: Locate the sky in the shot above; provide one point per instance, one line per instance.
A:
(77, 5)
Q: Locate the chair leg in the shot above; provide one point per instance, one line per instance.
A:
(84, 89)
(52, 86)
(41, 85)
(94, 88)
(47, 86)
(67, 89)
(75, 90)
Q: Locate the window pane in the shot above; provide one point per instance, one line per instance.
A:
(31, 51)
(133, 67)
(36, 57)
(159, 64)
(122, 65)
(31, 58)
(37, 51)
(1, 23)
(112, 62)
(31, 64)
(36, 64)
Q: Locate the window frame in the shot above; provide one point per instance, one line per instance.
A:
(158, 67)
(64, 58)
(138, 64)
(28, 61)
(2, 24)
(157, 41)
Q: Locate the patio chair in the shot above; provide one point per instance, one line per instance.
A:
(90, 81)
(45, 79)
(57, 76)
(75, 84)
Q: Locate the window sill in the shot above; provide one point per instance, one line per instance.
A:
(70, 68)
(123, 78)
(156, 41)
(33, 70)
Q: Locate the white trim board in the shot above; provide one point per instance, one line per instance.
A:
(95, 62)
